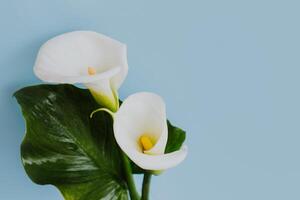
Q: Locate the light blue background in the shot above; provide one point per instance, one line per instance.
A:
(228, 71)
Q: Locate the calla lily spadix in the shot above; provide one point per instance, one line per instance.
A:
(141, 131)
(90, 58)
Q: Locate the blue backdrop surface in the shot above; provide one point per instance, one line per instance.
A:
(228, 71)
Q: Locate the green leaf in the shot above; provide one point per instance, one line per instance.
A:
(176, 137)
(65, 148)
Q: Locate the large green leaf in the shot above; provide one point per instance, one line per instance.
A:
(65, 148)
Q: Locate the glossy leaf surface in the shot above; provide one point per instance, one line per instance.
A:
(65, 148)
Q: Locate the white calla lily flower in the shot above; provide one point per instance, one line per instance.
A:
(90, 58)
(141, 131)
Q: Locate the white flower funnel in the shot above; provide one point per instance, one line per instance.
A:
(90, 58)
(140, 128)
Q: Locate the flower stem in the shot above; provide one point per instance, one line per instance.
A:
(130, 181)
(146, 186)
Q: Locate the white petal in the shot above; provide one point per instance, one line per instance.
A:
(160, 145)
(141, 113)
(65, 59)
(158, 162)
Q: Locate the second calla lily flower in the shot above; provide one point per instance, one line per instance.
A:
(90, 58)
(140, 128)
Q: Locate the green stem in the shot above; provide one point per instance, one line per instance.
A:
(146, 186)
(130, 181)
(112, 114)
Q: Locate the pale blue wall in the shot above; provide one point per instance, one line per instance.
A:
(228, 70)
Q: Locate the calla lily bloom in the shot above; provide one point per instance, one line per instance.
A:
(90, 58)
(141, 131)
